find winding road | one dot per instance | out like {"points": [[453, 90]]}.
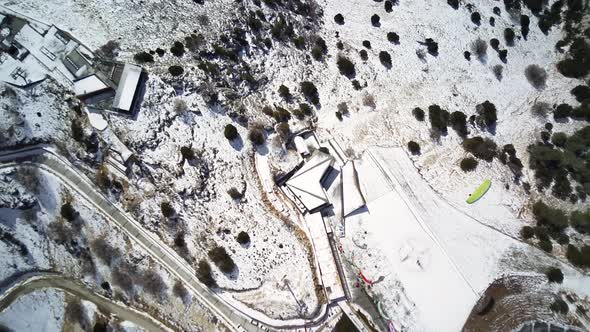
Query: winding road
{"points": [[39, 280], [234, 315]]}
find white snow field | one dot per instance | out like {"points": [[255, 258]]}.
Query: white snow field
{"points": [[435, 260], [41, 310]]}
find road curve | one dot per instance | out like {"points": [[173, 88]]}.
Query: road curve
{"points": [[39, 280], [233, 315]]}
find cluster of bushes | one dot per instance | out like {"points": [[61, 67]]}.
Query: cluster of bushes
{"points": [[508, 157], [554, 274], [577, 64], [175, 70], [281, 29], [481, 148], [222, 259], [552, 164], [551, 222], [393, 37], [9, 238]]}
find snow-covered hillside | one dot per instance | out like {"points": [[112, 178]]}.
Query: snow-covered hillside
{"points": [[212, 64]]}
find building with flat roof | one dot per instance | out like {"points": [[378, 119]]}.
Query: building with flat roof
{"points": [[128, 88]]}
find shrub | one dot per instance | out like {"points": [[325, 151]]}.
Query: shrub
{"points": [[418, 113], [167, 209], [221, 258], [524, 25], [153, 283], [559, 306], [431, 46], [180, 291], [467, 55], [267, 110], [540, 109], [546, 245], [509, 36], [369, 100], [486, 114], [345, 66], [299, 42], [143, 57], [496, 10], [342, 108], [527, 232], [204, 274], [177, 49], [476, 18], [503, 54], [459, 123], [453, 3], [562, 111], [494, 43], [536, 75], [187, 153], [338, 115], [559, 139], [306, 109], [582, 93], [256, 136], [492, 21], [234, 193], [414, 147], [367, 44], [439, 118], [385, 59], [581, 221], [67, 212], [243, 238], [375, 20], [77, 130], [281, 115], [554, 274], [468, 164], [310, 92], [555, 219], [479, 47], [497, 70], [284, 92], [104, 251], [339, 19], [364, 55], [393, 37], [481, 148], [230, 132], [175, 70], [283, 130], [388, 6]]}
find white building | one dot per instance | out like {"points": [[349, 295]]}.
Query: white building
{"points": [[305, 186], [128, 88]]}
